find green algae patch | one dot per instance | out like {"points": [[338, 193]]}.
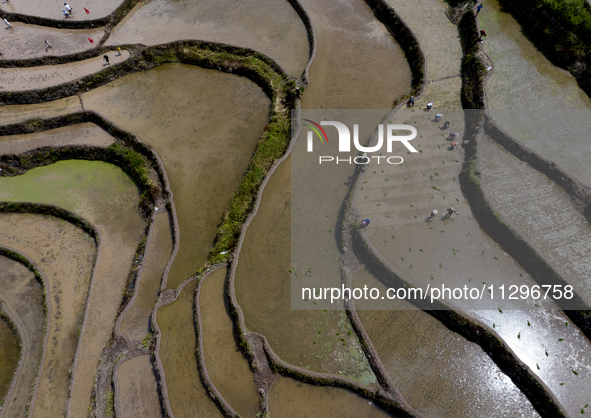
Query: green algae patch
{"points": [[97, 181]]}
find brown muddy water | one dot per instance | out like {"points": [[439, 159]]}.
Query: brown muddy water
{"points": [[20, 113], [138, 389], [440, 42], [317, 340], [537, 103], [65, 254], [105, 196], [22, 296], [290, 398], [455, 252], [53, 8], [28, 41], [358, 64], [204, 154], [18, 79], [437, 371], [82, 134], [226, 365], [9, 357], [136, 322], [188, 397], [268, 26]]}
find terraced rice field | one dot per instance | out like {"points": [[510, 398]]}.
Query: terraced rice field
{"points": [[12, 79], [23, 300], [65, 255], [537, 103], [203, 154], [82, 134], [271, 27], [133, 315]]}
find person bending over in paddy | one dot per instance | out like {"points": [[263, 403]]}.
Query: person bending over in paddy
{"points": [[364, 223], [438, 117], [446, 124], [452, 136], [429, 106], [433, 214]]}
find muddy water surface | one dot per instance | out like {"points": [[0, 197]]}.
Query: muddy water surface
{"points": [[455, 252], [22, 296], [53, 8], [105, 196], [138, 389], [9, 357], [28, 41], [533, 100], [320, 341], [358, 65], [65, 255], [20, 113], [268, 26], [226, 365], [204, 128], [188, 397], [82, 134], [290, 398], [438, 372], [16, 79], [136, 322]]}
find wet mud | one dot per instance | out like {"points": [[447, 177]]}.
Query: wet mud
{"points": [[20, 113], [268, 26], [138, 389], [540, 105], [188, 397], [9, 357], [19, 79], [204, 155], [22, 296], [28, 41], [65, 254], [437, 371], [290, 398], [439, 40], [53, 8], [358, 64], [226, 365], [321, 341], [136, 322], [82, 134], [105, 196]]}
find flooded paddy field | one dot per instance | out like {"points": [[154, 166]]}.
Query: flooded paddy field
{"points": [[18, 79], [455, 252], [539, 104], [83, 187], [53, 8], [352, 45], [65, 254], [20, 113], [226, 365], [438, 372], [22, 297], [269, 26], [204, 154], [82, 134], [551, 224], [138, 389], [9, 357], [28, 41], [309, 339], [136, 321], [188, 397], [439, 40], [290, 399]]}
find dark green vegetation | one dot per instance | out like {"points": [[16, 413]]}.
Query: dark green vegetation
{"points": [[561, 29]]}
